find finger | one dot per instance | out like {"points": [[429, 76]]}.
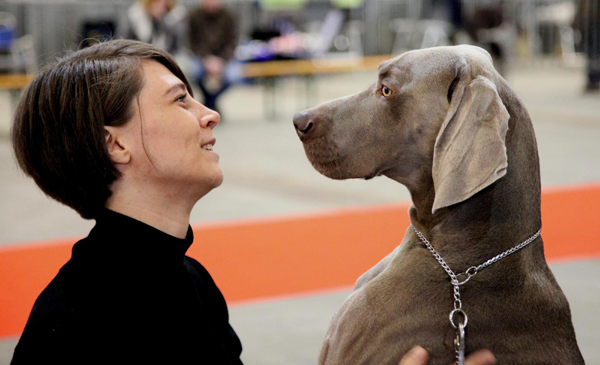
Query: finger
{"points": [[481, 357], [416, 356]]}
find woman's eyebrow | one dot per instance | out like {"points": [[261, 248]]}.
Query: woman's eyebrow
{"points": [[176, 87]]}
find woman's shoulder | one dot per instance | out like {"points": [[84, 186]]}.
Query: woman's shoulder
{"points": [[203, 281], [59, 300], [56, 294], [56, 306], [51, 319], [196, 268]]}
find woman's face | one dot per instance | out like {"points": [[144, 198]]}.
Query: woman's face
{"points": [[174, 148]]}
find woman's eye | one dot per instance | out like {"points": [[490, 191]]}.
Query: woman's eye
{"points": [[181, 98], [386, 91]]}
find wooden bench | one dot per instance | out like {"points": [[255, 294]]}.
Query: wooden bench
{"points": [[15, 81], [312, 67], [10, 88], [271, 71]]}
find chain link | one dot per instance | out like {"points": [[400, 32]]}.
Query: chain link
{"points": [[508, 252], [459, 342], [471, 271]]}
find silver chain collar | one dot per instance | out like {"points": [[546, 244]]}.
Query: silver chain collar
{"points": [[462, 278]]}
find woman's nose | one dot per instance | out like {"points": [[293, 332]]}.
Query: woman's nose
{"points": [[208, 118]]}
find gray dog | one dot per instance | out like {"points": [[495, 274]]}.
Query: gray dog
{"points": [[445, 124]]}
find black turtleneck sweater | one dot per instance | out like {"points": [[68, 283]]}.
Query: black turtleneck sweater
{"points": [[129, 295]]}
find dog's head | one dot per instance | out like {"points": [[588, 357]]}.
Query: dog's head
{"points": [[432, 114]]}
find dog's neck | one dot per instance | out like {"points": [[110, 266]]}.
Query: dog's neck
{"points": [[501, 215]]}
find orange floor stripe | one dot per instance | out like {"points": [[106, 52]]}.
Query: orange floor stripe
{"points": [[283, 256], [571, 223], [258, 258], [24, 273]]}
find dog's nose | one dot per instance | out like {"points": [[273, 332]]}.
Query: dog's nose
{"points": [[304, 124]]}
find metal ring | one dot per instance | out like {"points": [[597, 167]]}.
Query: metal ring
{"points": [[453, 313], [468, 272], [457, 282]]}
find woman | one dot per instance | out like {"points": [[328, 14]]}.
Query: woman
{"points": [[113, 132]]}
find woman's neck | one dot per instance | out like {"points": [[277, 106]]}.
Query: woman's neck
{"points": [[160, 209]]}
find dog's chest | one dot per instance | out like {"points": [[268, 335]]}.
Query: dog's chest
{"points": [[387, 317], [401, 308]]}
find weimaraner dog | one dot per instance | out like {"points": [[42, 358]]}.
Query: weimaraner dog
{"points": [[470, 272]]}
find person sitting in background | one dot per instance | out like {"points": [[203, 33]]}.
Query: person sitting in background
{"points": [[489, 28], [161, 23], [213, 36], [587, 22]]}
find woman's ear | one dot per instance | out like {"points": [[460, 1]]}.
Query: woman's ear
{"points": [[117, 150]]}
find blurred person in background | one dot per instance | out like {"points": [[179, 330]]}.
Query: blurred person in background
{"points": [[489, 28], [213, 36], [587, 22], [161, 23], [113, 132]]}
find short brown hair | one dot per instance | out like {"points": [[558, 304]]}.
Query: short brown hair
{"points": [[58, 132]]}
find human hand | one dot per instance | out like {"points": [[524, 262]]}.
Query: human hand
{"points": [[418, 356]]}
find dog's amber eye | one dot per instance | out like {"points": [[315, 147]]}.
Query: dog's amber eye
{"points": [[386, 91]]}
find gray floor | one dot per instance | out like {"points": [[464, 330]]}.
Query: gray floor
{"points": [[266, 173]]}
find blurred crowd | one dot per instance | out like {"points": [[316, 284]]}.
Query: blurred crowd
{"points": [[203, 40], [210, 45]]}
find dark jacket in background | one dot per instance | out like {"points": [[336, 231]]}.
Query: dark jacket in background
{"points": [[129, 295], [213, 34]]}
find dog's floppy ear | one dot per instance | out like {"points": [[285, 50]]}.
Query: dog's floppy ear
{"points": [[470, 153]]}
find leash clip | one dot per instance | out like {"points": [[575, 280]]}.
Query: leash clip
{"points": [[459, 344]]}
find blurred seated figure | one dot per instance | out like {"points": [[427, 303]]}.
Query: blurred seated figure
{"points": [[441, 24], [587, 22], [158, 22], [450, 11], [490, 29], [213, 36]]}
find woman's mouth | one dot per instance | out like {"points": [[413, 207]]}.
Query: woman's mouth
{"points": [[208, 146]]}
